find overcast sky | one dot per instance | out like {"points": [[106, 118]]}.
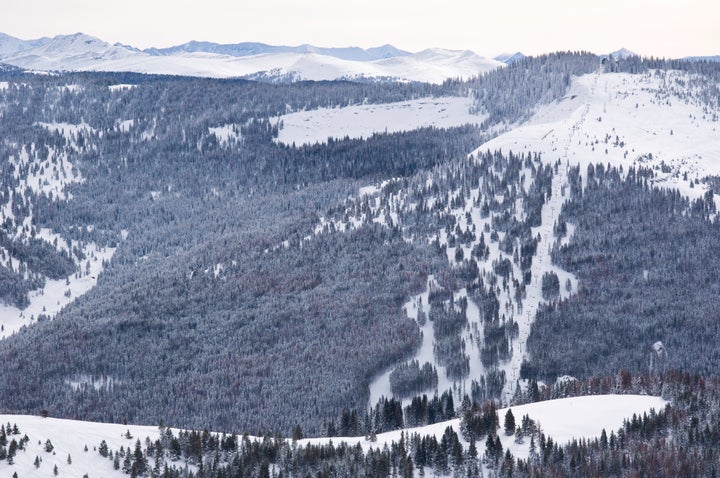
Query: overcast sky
{"points": [[669, 28]]}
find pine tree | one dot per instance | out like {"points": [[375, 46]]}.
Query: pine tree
{"points": [[103, 449], [603, 439], [127, 464], [139, 460], [490, 448], [509, 423], [472, 449]]}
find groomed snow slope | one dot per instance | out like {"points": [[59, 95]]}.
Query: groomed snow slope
{"points": [[362, 121], [563, 420]]}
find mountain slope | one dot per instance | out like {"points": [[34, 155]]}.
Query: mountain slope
{"points": [[67, 52], [247, 270]]}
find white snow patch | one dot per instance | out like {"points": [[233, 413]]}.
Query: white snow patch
{"points": [[578, 417], [125, 125], [120, 87], [98, 383], [57, 293], [362, 121], [50, 176], [71, 88], [226, 134], [69, 131]]}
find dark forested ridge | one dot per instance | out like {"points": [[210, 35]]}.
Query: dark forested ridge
{"points": [[221, 307], [648, 262]]}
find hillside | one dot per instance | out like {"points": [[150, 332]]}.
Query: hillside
{"points": [[197, 250], [76, 445]]}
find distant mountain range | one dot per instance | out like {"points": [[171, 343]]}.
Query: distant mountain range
{"points": [[706, 58], [251, 48], [259, 61], [80, 52]]}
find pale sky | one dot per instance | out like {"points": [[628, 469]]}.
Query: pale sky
{"points": [[668, 28]]}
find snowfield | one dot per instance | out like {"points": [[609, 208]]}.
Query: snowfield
{"points": [[362, 121], [562, 419]]}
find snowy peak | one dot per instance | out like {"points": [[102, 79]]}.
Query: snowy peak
{"points": [[386, 51], [441, 53], [69, 44], [10, 45], [436, 64], [66, 52], [622, 53], [510, 58]]}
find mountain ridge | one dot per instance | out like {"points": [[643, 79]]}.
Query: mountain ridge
{"points": [[241, 49], [82, 52]]}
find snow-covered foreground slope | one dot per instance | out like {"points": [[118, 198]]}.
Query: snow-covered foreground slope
{"points": [[563, 420], [81, 52], [362, 121], [69, 438]]}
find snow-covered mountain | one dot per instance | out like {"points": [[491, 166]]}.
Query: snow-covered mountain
{"points": [[254, 48], [80, 52], [64, 52], [622, 53], [510, 57]]}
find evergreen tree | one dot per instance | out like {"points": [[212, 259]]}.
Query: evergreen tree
{"points": [[509, 423]]}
